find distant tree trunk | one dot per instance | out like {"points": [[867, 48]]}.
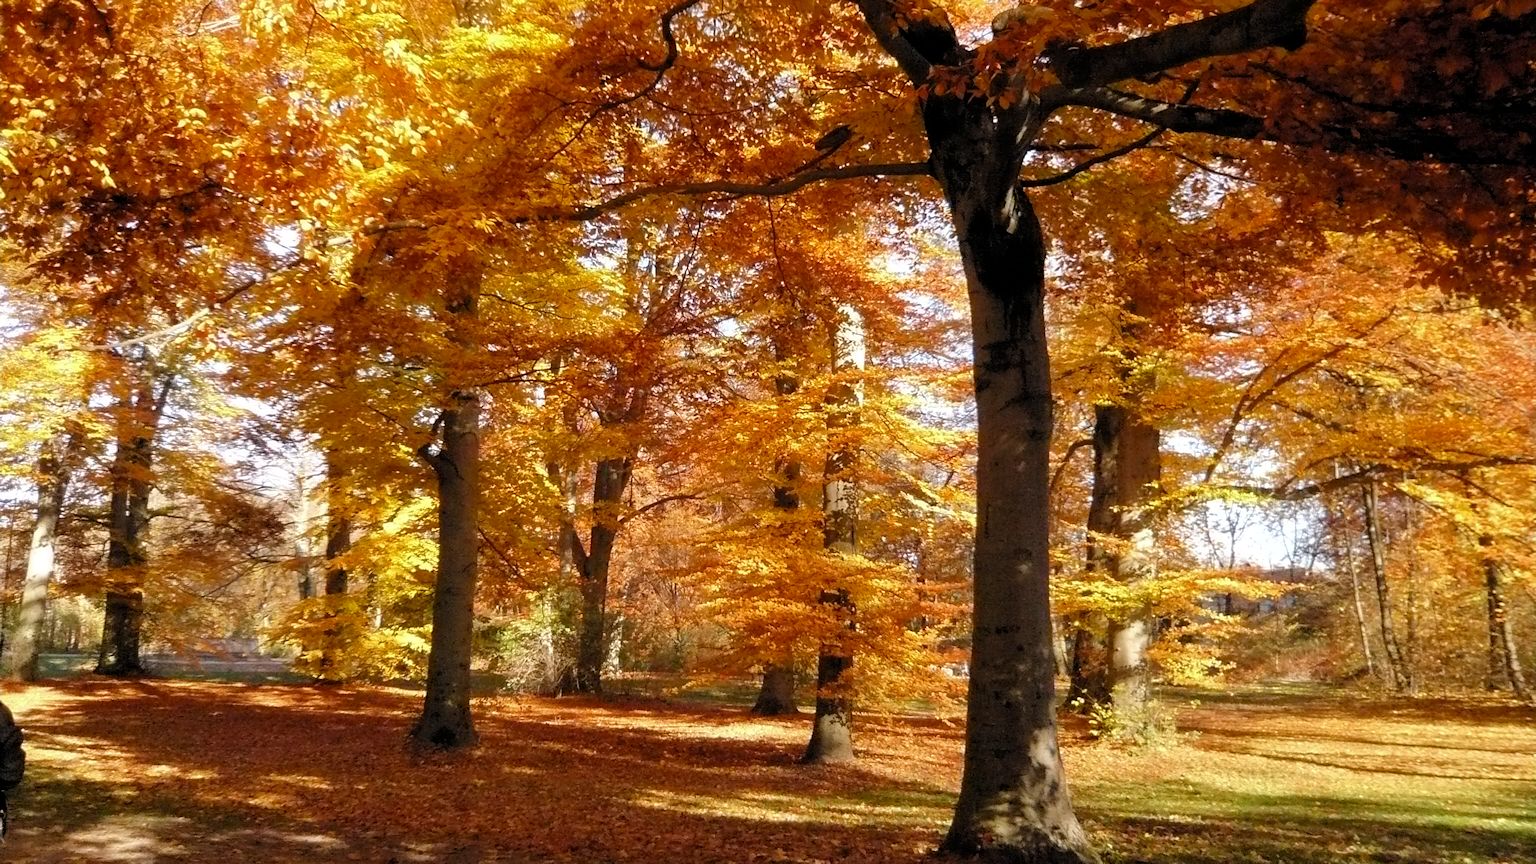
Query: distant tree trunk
{"points": [[1503, 658], [303, 554], [832, 727], [610, 480], [1377, 544], [777, 693], [1135, 451], [22, 647], [445, 721], [338, 541], [123, 621], [1344, 554], [1127, 472]]}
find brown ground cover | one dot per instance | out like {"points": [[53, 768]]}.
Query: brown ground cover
{"points": [[181, 771]]}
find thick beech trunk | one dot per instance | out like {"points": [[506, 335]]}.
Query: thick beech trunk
{"points": [[1014, 802], [123, 618], [832, 726], [1377, 543], [22, 647], [610, 479], [1503, 658], [445, 719]]}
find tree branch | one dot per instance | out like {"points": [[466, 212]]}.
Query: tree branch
{"points": [[659, 502], [727, 189], [935, 44], [1174, 117], [1261, 24]]}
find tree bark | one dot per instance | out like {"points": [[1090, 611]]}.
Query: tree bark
{"points": [[132, 462], [1503, 658], [1014, 802], [832, 726], [610, 479], [1131, 454], [776, 696], [338, 541], [22, 647], [1377, 544], [445, 721], [1344, 554]]}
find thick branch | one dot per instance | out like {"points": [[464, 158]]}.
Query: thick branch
{"points": [[918, 46], [1404, 142], [1171, 116], [1261, 24]]}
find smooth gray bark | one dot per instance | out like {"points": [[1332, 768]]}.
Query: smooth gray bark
{"points": [[832, 725], [22, 647], [1503, 658]]}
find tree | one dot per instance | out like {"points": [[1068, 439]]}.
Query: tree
{"points": [[1013, 797]]}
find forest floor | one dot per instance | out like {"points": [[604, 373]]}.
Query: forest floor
{"points": [[184, 771]]}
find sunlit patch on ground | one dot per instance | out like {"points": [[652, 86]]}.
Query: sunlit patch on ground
{"points": [[196, 772]]}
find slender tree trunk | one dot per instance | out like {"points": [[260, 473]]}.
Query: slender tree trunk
{"points": [[123, 619], [1013, 801], [610, 480], [1344, 554], [338, 541], [22, 647], [445, 721], [776, 696], [1377, 544], [832, 726], [303, 554], [559, 659], [1503, 656]]}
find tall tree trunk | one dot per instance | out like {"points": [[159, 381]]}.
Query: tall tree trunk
{"points": [[610, 480], [1127, 472], [1377, 544], [338, 541], [776, 696], [1503, 658], [1013, 800], [445, 720], [303, 553], [132, 462], [22, 647], [832, 726], [1499, 629], [1344, 554]]}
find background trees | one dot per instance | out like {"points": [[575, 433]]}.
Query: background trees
{"points": [[552, 316]]}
